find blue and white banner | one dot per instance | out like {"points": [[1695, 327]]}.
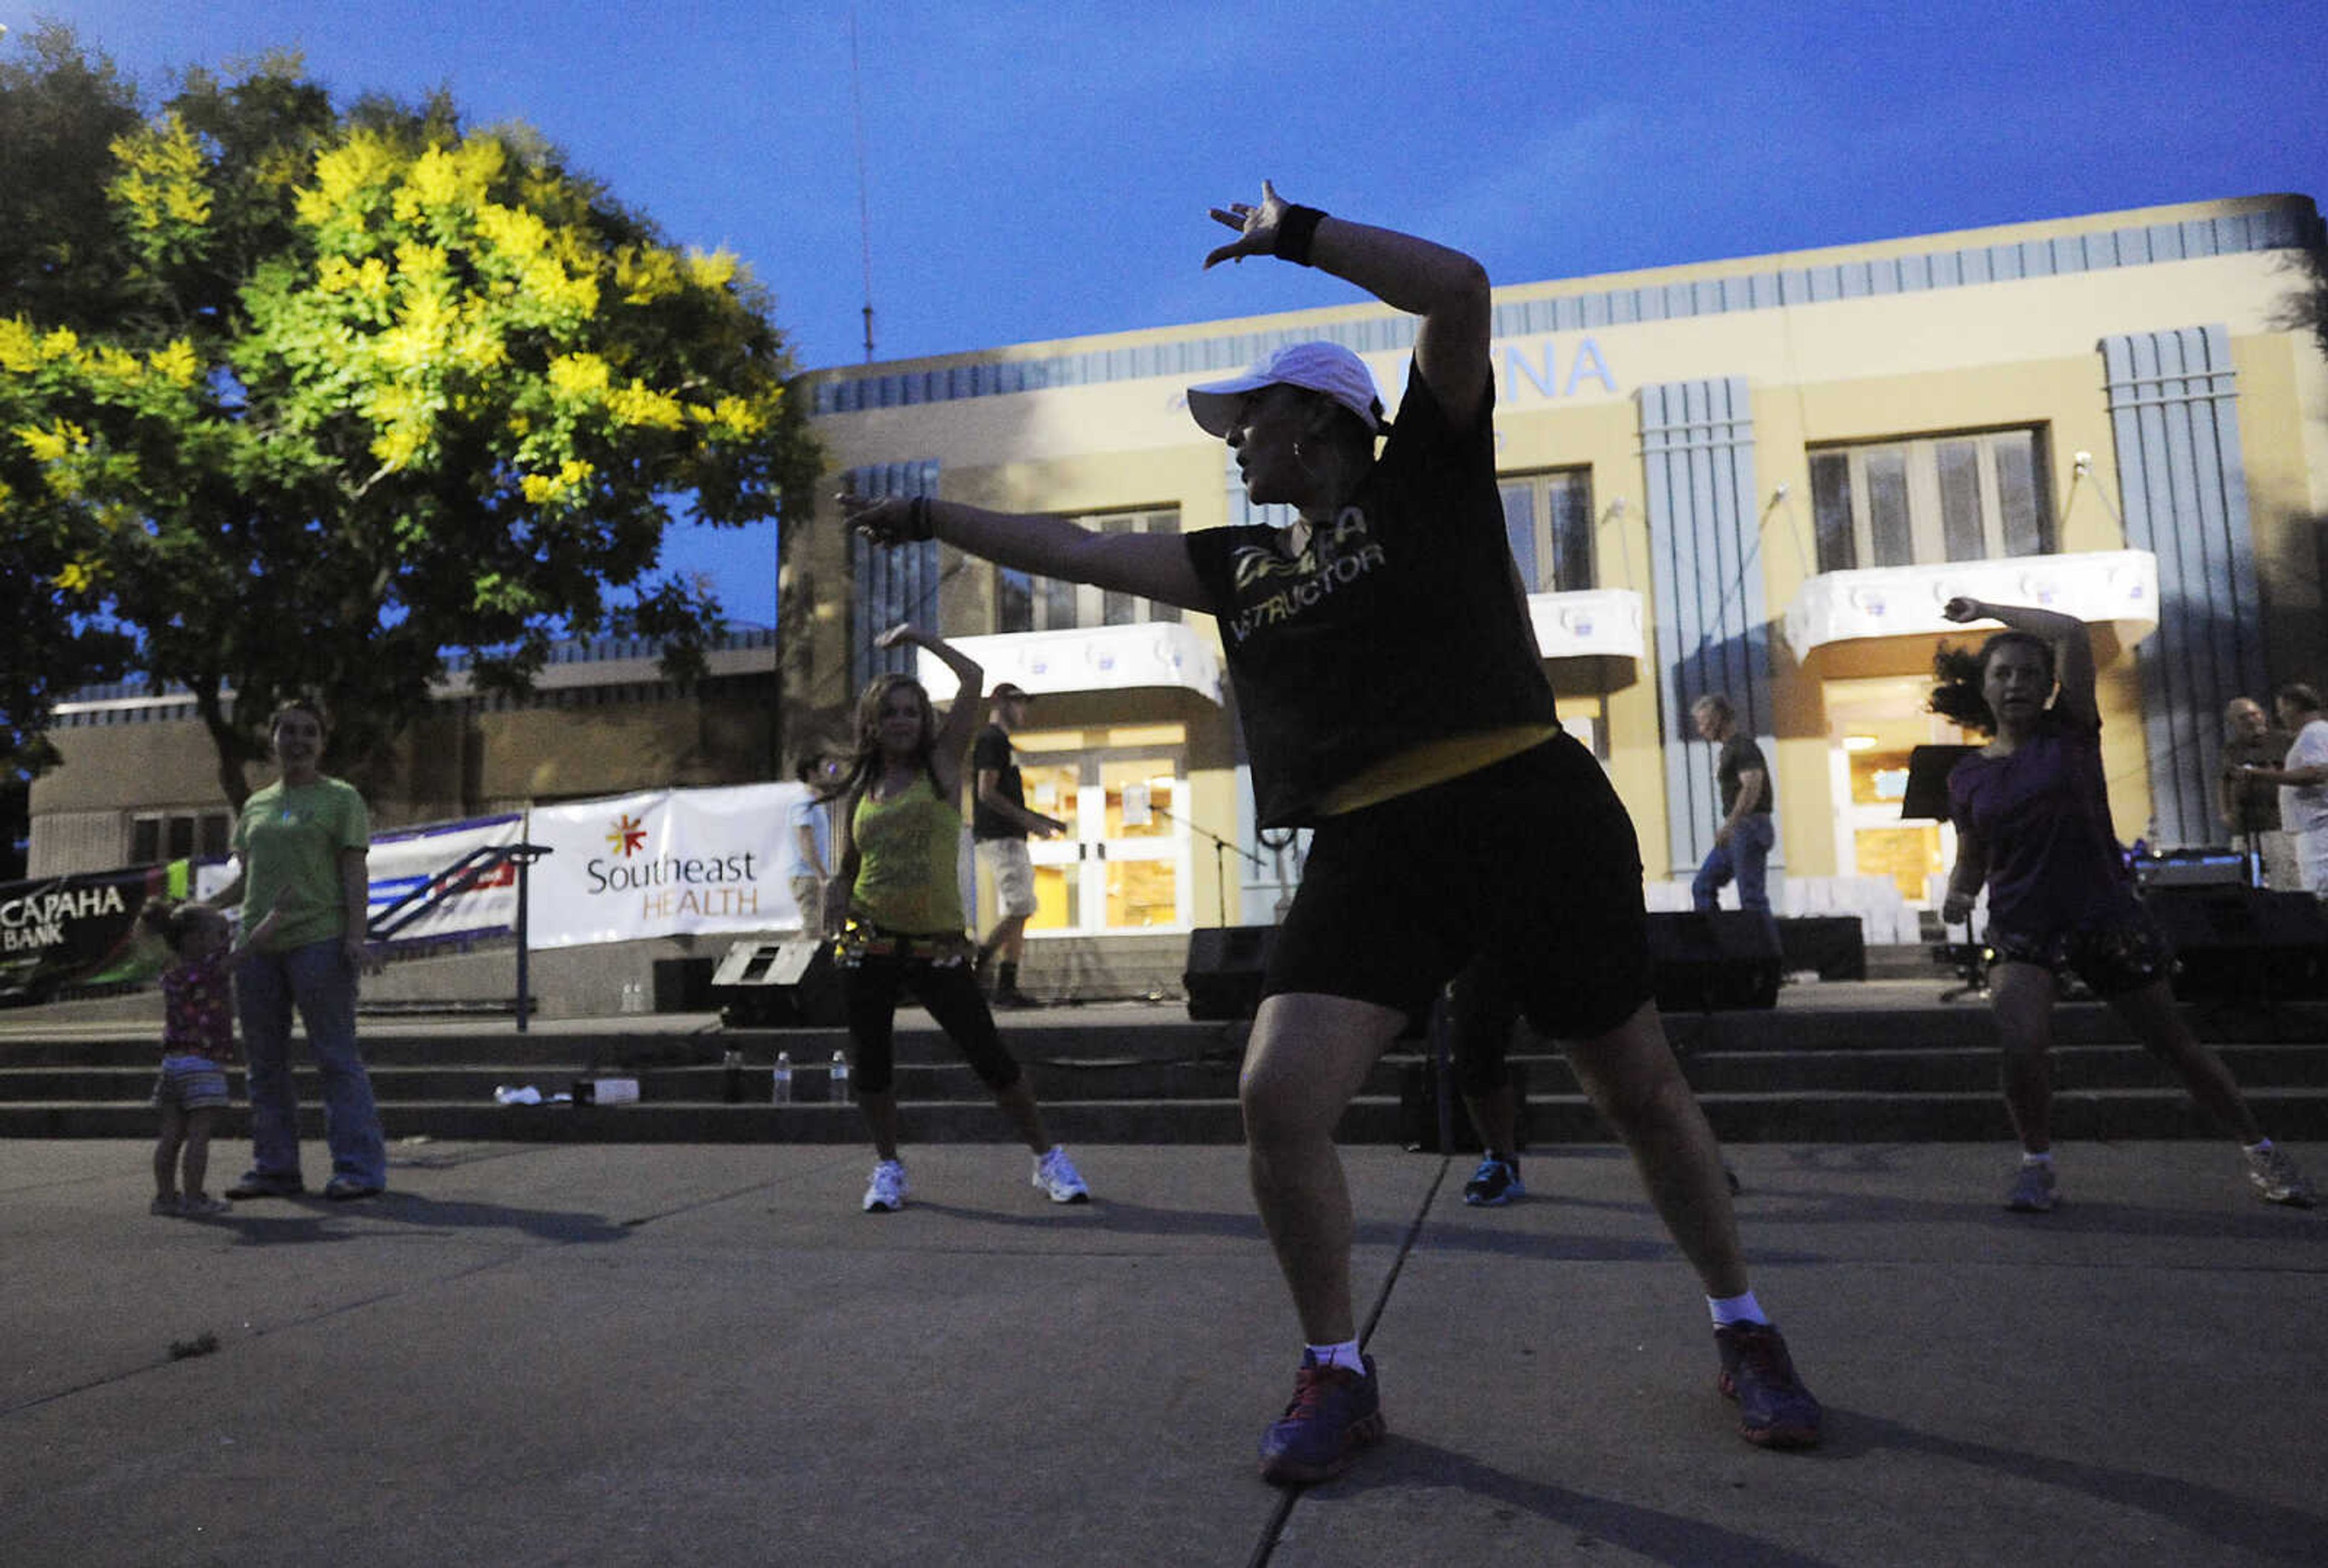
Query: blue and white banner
{"points": [[408, 866]]}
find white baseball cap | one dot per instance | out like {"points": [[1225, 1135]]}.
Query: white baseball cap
{"points": [[1319, 367]]}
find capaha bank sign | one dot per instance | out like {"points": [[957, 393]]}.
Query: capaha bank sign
{"points": [[665, 863]]}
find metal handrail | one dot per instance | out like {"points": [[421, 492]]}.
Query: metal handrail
{"points": [[459, 877]]}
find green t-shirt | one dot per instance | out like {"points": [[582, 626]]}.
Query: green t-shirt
{"points": [[908, 852], [291, 838]]}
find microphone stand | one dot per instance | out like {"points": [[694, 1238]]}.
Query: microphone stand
{"points": [[1220, 849]]}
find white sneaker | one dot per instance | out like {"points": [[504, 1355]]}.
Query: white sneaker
{"points": [[2275, 1178], [1057, 1175], [885, 1193]]}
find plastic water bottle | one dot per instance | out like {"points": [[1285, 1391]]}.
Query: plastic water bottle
{"points": [[781, 1084], [731, 1076], [840, 1078]]}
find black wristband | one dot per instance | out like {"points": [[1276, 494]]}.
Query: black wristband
{"points": [[918, 526], [1295, 229]]}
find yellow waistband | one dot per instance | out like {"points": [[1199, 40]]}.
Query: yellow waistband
{"points": [[1434, 761]]}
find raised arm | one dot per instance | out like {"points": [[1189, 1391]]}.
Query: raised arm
{"points": [[1148, 566], [1447, 289], [2073, 653], [954, 737]]}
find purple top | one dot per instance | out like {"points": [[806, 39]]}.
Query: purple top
{"points": [[2053, 859], [197, 1009]]}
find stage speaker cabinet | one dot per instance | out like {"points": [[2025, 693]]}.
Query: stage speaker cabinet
{"points": [[777, 985], [1836, 946], [1717, 962], [2191, 868], [1225, 965], [2243, 944]]}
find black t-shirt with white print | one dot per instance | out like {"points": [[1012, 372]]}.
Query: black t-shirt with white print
{"points": [[1401, 622]]}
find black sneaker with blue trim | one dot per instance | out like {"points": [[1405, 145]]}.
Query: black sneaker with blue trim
{"points": [[1495, 1184]]}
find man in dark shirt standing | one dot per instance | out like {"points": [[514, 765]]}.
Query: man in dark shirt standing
{"points": [[2250, 806], [1000, 822], [1742, 844]]}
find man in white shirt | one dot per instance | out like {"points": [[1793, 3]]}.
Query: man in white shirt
{"points": [[2303, 782]]}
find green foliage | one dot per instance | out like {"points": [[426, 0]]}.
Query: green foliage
{"points": [[365, 386]]}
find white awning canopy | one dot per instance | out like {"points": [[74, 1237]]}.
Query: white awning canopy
{"points": [[1087, 659], [1588, 622], [2114, 589]]}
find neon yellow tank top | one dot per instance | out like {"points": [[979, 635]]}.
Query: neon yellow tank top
{"points": [[908, 850]]}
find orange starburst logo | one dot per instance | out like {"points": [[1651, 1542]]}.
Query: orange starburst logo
{"points": [[629, 837]]}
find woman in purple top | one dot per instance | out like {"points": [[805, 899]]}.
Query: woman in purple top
{"points": [[2033, 821]]}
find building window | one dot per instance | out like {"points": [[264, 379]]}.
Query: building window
{"points": [[1975, 496], [204, 835], [1548, 517], [1023, 603]]}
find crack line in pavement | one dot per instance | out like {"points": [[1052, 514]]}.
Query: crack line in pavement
{"points": [[1275, 1530]]}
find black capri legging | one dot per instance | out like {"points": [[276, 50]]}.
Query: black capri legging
{"points": [[948, 989], [1482, 1011]]}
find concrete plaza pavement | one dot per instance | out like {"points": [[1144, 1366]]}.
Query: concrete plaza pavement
{"points": [[658, 1354]]}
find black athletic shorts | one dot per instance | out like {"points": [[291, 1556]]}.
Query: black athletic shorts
{"points": [[2113, 955], [1532, 861]]}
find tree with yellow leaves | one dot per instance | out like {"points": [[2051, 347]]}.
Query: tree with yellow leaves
{"points": [[366, 387]]}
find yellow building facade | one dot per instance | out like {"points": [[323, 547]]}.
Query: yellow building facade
{"points": [[1761, 476]]}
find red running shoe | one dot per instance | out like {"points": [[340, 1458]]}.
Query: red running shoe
{"points": [[1774, 1409], [1334, 1413]]}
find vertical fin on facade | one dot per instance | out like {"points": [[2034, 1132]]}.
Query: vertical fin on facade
{"points": [[888, 585], [1713, 628], [2173, 405]]}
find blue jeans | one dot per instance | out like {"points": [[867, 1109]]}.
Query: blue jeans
{"points": [[1747, 857], [319, 979]]}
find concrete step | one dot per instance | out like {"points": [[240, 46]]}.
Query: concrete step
{"points": [[1824, 1117], [1832, 1062], [933, 1072]]}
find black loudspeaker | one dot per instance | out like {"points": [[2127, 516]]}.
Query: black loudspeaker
{"points": [[1716, 962], [779, 985], [2239, 944], [1418, 1110], [1834, 945], [683, 985], [1225, 964]]}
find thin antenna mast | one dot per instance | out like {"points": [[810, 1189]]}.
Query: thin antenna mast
{"points": [[864, 212]]}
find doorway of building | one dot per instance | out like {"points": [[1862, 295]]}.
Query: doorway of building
{"points": [[1872, 727], [1124, 865]]}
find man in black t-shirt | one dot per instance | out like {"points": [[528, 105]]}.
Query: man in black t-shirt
{"points": [[1742, 844], [1000, 822]]}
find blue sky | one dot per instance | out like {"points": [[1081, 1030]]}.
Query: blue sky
{"points": [[1040, 170]]}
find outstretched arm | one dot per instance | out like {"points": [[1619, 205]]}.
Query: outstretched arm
{"points": [[1148, 566], [1447, 289], [2073, 653]]}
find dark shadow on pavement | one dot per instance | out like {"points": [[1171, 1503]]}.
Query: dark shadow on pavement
{"points": [[1650, 1532], [2244, 1524], [276, 1222]]}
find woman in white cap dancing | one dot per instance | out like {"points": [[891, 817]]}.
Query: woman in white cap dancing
{"points": [[1393, 701]]}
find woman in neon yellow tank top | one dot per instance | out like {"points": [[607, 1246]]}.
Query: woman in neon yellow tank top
{"points": [[898, 904]]}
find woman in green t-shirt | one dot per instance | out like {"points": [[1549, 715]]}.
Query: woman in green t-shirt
{"points": [[896, 902], [303, 841]]}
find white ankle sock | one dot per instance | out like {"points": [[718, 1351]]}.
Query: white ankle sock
{"points": [[1345, 1354], [1728, 1309], [2045, 1159]]}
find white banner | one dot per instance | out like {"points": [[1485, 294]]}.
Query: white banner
{"points": [[417, 860], [664, 863]]}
